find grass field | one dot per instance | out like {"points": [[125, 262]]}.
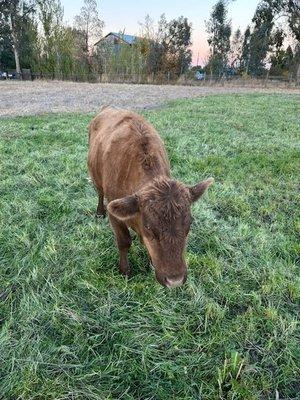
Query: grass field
{"points": [[73, 328]]}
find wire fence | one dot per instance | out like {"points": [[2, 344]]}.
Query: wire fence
{"points": [[189, 78]]}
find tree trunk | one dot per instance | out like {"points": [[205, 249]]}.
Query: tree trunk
{"points": [[15, 45], [298, 74]]}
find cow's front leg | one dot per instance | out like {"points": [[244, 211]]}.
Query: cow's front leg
{"points": [[123, 240], [101, 211]]}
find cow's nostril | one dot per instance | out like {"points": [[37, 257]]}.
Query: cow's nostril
{"points": [[170, 282]]}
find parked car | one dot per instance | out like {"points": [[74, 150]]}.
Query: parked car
{"points": [[200, 76], [6, 75]]}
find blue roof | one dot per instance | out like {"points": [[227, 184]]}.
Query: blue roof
{"points": [[130, 39]]}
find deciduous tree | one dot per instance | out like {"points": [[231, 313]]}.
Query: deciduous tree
{"points": [[14, 15], [178, 42], [91, 26]]}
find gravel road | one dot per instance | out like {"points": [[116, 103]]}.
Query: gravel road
{"points": [[38, 97]]}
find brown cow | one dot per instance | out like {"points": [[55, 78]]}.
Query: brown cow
{"points": [[129, 166]]}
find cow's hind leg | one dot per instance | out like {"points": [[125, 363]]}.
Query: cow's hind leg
{"points": [[101, 211], [123, 240]]}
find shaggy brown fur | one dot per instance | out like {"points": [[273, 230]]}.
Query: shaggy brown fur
{"points": [[128, 164]]}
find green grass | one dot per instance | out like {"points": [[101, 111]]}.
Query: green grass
{"points": [[73, 328]]}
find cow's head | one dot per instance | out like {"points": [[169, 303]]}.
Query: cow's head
{"points": [[162, 211]]}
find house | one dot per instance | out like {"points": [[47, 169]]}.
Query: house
{"points": [[117, 40]]}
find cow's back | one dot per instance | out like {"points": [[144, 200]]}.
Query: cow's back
{"points": [[125, 152]]}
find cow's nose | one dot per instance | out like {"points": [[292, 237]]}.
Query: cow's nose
{"points": [[174, 282]]}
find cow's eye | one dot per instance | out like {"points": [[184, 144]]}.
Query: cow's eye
{"points": [[150, 232]]}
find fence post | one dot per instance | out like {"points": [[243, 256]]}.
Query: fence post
{"points": [[266, 80]]}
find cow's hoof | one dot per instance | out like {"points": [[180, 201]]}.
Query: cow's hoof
{"points": [[125, 270], [100, 215]]}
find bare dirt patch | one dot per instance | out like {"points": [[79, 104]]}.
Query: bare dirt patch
{"points": [[30, 98]]}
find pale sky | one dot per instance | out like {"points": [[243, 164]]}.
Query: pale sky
{"points": [[125, 15]]}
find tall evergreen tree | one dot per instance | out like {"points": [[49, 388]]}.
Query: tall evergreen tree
{"points": [[262, 35], [260, 39], [219, 32], [293, 9], [245, 56], [236, 48]]}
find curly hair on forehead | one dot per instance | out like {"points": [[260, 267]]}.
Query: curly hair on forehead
{"points": [[165, 196]]}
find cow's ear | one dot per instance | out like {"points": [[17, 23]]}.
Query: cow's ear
{"points": [[197, 191], [124, 208]]}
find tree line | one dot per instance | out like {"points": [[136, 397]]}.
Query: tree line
{"points": [[160, 49], [270, 44], [33, 35]]}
